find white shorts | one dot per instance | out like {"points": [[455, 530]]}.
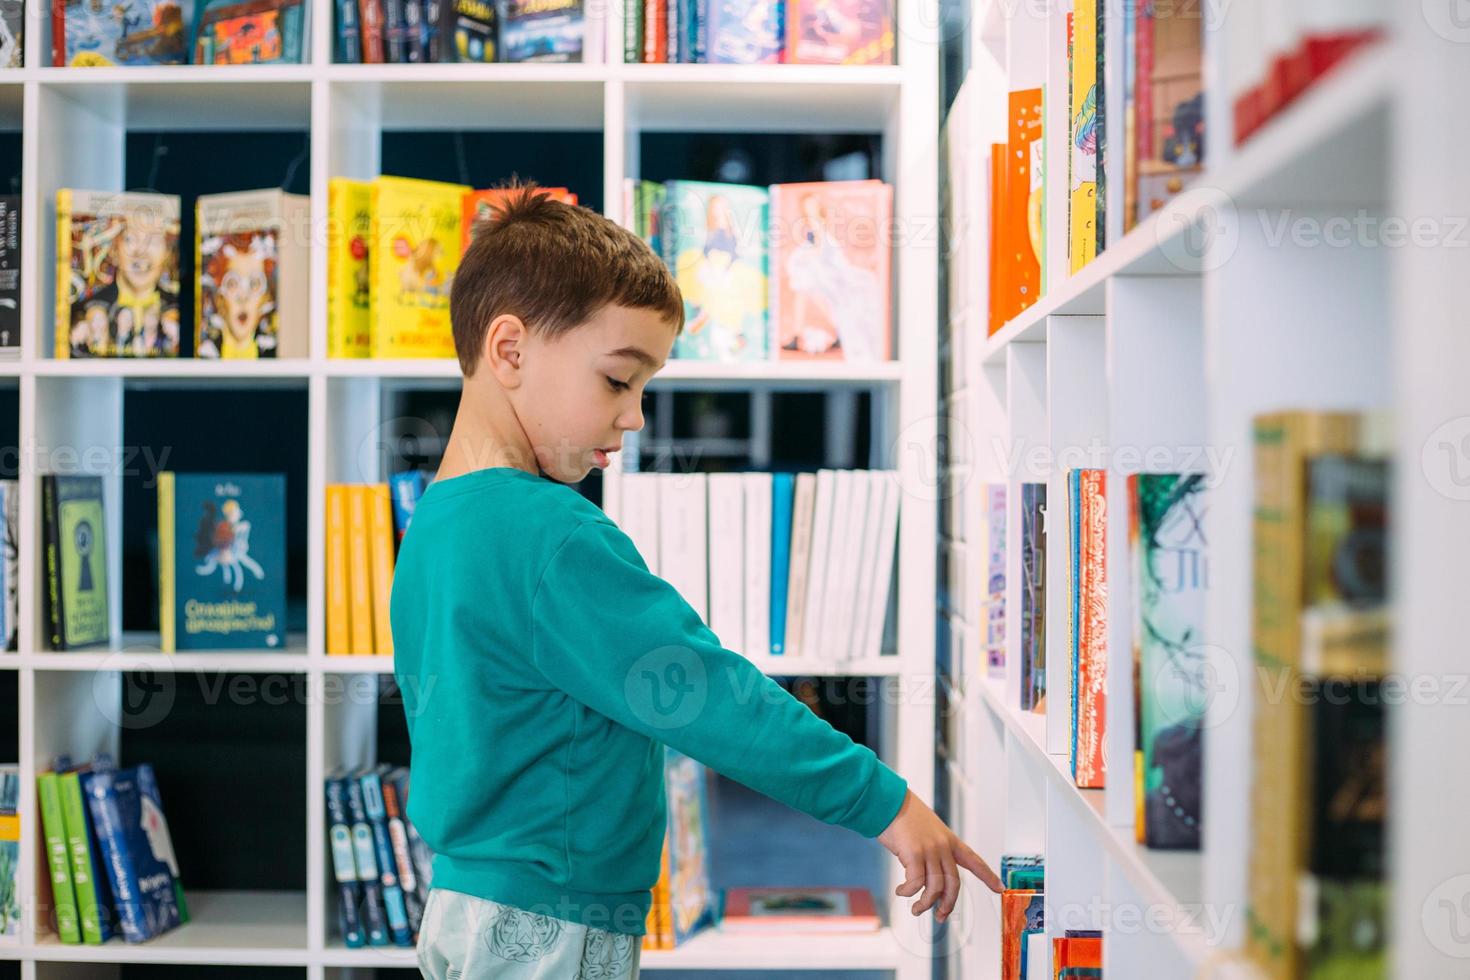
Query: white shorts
{"points": [[469, 938]]}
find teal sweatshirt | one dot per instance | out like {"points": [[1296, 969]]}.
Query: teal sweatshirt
{"points": [[543, 668]]}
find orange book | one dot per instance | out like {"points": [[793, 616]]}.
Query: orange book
{"points": [[359, 574], [1090, 768], [339, 636], [831, 253], [479, 205], [380, 551], [1023, 280], [1075, 951], [1020, 913], [997, 205]]}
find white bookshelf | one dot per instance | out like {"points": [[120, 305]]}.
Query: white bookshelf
{"points": [[1172, 340], [74, 125]]}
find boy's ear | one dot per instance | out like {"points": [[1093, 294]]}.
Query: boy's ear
{"points": [[504, 346]]}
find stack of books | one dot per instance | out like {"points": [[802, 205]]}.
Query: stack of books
{"points": [[382, 867]]}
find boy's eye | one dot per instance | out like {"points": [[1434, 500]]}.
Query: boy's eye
{"points": [[616, 385]]}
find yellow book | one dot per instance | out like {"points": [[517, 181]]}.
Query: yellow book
{"points": [[359, 571], [166, 617], [413, 253], [339, 635], [1082, 146], [380, 526], [349, 230]]}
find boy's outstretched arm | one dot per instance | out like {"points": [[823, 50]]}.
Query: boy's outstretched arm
{"points": [[624, 643]]}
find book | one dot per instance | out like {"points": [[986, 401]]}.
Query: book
{"points": [[95, 907], [481, 206], [349, 229], [683, 536], [1019, 246], [469, 31], [10, 267], [1033, 596], [727, 559], [12, 35], [75, 600], [714, 241], [1170, 593], [799, 910], [1084, 133], [541, 30], [348, 45], [742, 32], [135, 32], [839, 32], [250, 32], [803, 510], [760, 601], [1021, 912], [339, 628], [359, 570], [830, 270], [134, 840], [344, 864], [117, 274], [252, 269], [376, 816], [221, 561], [413, 251], [10, 565], [380, 556], [1169, 147], [365, 858], [1090, 602], [370, 16], [993, 529], [997, 272], [58, 858], [783, 491], [402, 860], [691, 902]]}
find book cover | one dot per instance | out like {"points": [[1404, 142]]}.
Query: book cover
{"points": [[249, 32], [222, 561], [349, 227], [540, 30], [799, 910], [1171, 147], [469, 31], [783, 489], [75, 600], [117, 276], [359, 569], [994, 599], [1021, 912], [402, 860], [830, 270], [714, 240], [134, 32], [251, 275], [632, 31], [1033, 596], [406, 489], [12, 34], [365, 857], [1171, 593], [690, 899], [413, 252], [339, 629], [380, 555], [1018, 246], [1100, 198], [96, 906], [744, 32], [482, 205], [138, 856], [387, 866], [1089, 684], [58, 858], [839, 32], [394, 35], [1084, 136], [344, 865], [10, 269]]}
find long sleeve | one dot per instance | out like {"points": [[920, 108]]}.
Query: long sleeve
{"points": [[624, 643]]}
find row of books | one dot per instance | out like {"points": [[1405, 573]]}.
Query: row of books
{"points": [[221, 586], [1317, 900], [109, 856], [789, 271], [383, 869], [794, 565], [756, 32], [474, 31], [364, 523], [177, 32]]}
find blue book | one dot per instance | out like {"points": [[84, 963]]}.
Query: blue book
{"points": [[540, 30], [136, 852], [344, 864], [744, 32], [377, 818], [365, 855], [783, 488], [222, 561], [713, 238], [406, 489]]}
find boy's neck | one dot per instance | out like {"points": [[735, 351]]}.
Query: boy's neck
{"points": [[486, 433]]}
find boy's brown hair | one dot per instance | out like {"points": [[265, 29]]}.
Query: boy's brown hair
{"points": [[554, 265]]}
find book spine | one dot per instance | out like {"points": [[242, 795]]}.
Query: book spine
{"points": [[359, 571], [53, 827], [372, 798], [803, 510], [167, 618], [675, 54], [372, 31], [1090, 683], [398, 838], [364, 851], [344, 865], [339, 635], [78, 844], [349, 44], [52, 533], [757, 561], [783, 485], [63, 263], [413, 31], [1100, 197], [394, 50], [649, 20], [337, 219], [380, 529], [107, 822], [632, 31]]}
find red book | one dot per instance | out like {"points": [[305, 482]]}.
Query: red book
{"points": [[803, 910], [370, 13], [1089, 767]]}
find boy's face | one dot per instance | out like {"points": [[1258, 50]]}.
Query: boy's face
{"points": [[581, 391]]}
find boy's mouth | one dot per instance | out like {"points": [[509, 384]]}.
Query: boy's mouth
{"points": [[600, 456]]}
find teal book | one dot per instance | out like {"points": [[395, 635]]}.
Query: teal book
{"points": [[75, 597], [713, 238], [222, 561]]}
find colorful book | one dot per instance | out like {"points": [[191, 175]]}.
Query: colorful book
{"points": [[691, 902], [380, 555], [402, 859], [1033, 596], [742, 32], [387, 866], [714, 241], [339, 603], [365, 857], [775, 911], [12, 35], [1021, 912], [1085, 133], [1170, 128], [117, 274], [541, 30], [1020, 242], [136, 848], [406, 488], [413, 252], [58, 858], [1090, 655], [349, 229], [221, 561], [993, 525], [839, 32], [469, 31], [136, 32], [830, 270], [252, 275], [359, 569], [10, 565], [249, 32], [74, 533]]}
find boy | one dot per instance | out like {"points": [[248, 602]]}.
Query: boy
{"points": [[542, 665]]}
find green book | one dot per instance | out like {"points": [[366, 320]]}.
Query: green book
{"points": [[53, 827], [76, 560], [95, 929]]}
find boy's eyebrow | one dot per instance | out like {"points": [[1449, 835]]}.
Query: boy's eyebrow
{"points": [[637, 354]]}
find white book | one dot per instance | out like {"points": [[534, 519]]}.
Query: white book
{"points": [[639, 520], [682, 547], [875, 491], [829, 604], [758, 491], [726, 559], [1038, 957], [803, 508], [817, 566], [883, 563], [848, 564]]}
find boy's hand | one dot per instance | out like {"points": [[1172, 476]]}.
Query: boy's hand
{"points": [[931, 855]]}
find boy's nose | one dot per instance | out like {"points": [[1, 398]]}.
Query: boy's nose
{"points": [[632, 421]]}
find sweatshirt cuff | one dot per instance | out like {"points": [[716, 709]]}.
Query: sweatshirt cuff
{"points": [[879, 804]]}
